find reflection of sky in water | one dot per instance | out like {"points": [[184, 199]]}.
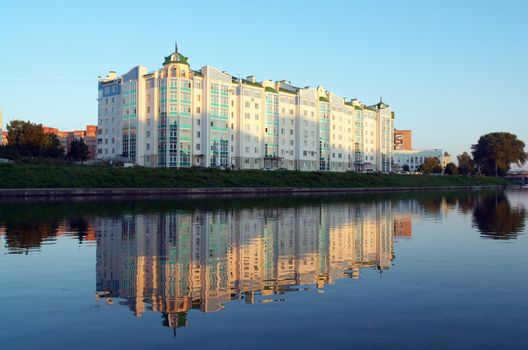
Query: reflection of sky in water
{"points": [[396, 273]]}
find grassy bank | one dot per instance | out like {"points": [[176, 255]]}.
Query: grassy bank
{"points": [[70, 176]]}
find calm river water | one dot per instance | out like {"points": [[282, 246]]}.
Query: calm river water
{"points": [[386, 271]]}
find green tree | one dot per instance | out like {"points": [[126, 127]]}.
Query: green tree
{"points": [[78, 150], [26, 139], [431, 165], [494, 153], [52, 147], [451, 169], [465, 164]]}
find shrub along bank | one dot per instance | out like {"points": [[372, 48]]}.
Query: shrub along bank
{"points": [[72, 176]]}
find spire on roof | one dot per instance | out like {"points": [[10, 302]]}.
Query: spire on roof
{"points": [[176, 46]]}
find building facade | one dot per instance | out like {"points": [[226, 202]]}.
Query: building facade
{"points": [[178, 117], [414, 158], [402, 140], [88, 135]]}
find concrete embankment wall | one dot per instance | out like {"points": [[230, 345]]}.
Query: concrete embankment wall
{"points": [[234, 191]]}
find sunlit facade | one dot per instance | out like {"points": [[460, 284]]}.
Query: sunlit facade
{"points": [[178, 117]]}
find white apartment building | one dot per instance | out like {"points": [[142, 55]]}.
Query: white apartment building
{"points": [[415, 158], [179, 117]]}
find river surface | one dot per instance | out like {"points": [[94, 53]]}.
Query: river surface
{"points": [[385, 271]]}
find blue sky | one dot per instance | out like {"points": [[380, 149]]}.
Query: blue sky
{"points": [[452, 70]]}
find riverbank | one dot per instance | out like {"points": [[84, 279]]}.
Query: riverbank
{"points": [[64, 180], [220, 191]]}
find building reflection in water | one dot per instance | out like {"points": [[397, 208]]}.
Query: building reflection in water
{"points": [[173, 262], [170, 257]]}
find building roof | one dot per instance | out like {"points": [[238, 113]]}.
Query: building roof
{"points": [[381, 104], [270, 89], [176, 57], [288, 91]]}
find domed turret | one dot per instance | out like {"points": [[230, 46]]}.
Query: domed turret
{"points": [[176, 57], [381, 104]]}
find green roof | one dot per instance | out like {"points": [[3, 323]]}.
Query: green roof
{"points": [[248, 82], [322, 98], [176, 58], [270, 89]]}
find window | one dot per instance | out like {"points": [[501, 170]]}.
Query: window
{"points": [[246, 104], [198, 134], [197, 146], [198, 110]]}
